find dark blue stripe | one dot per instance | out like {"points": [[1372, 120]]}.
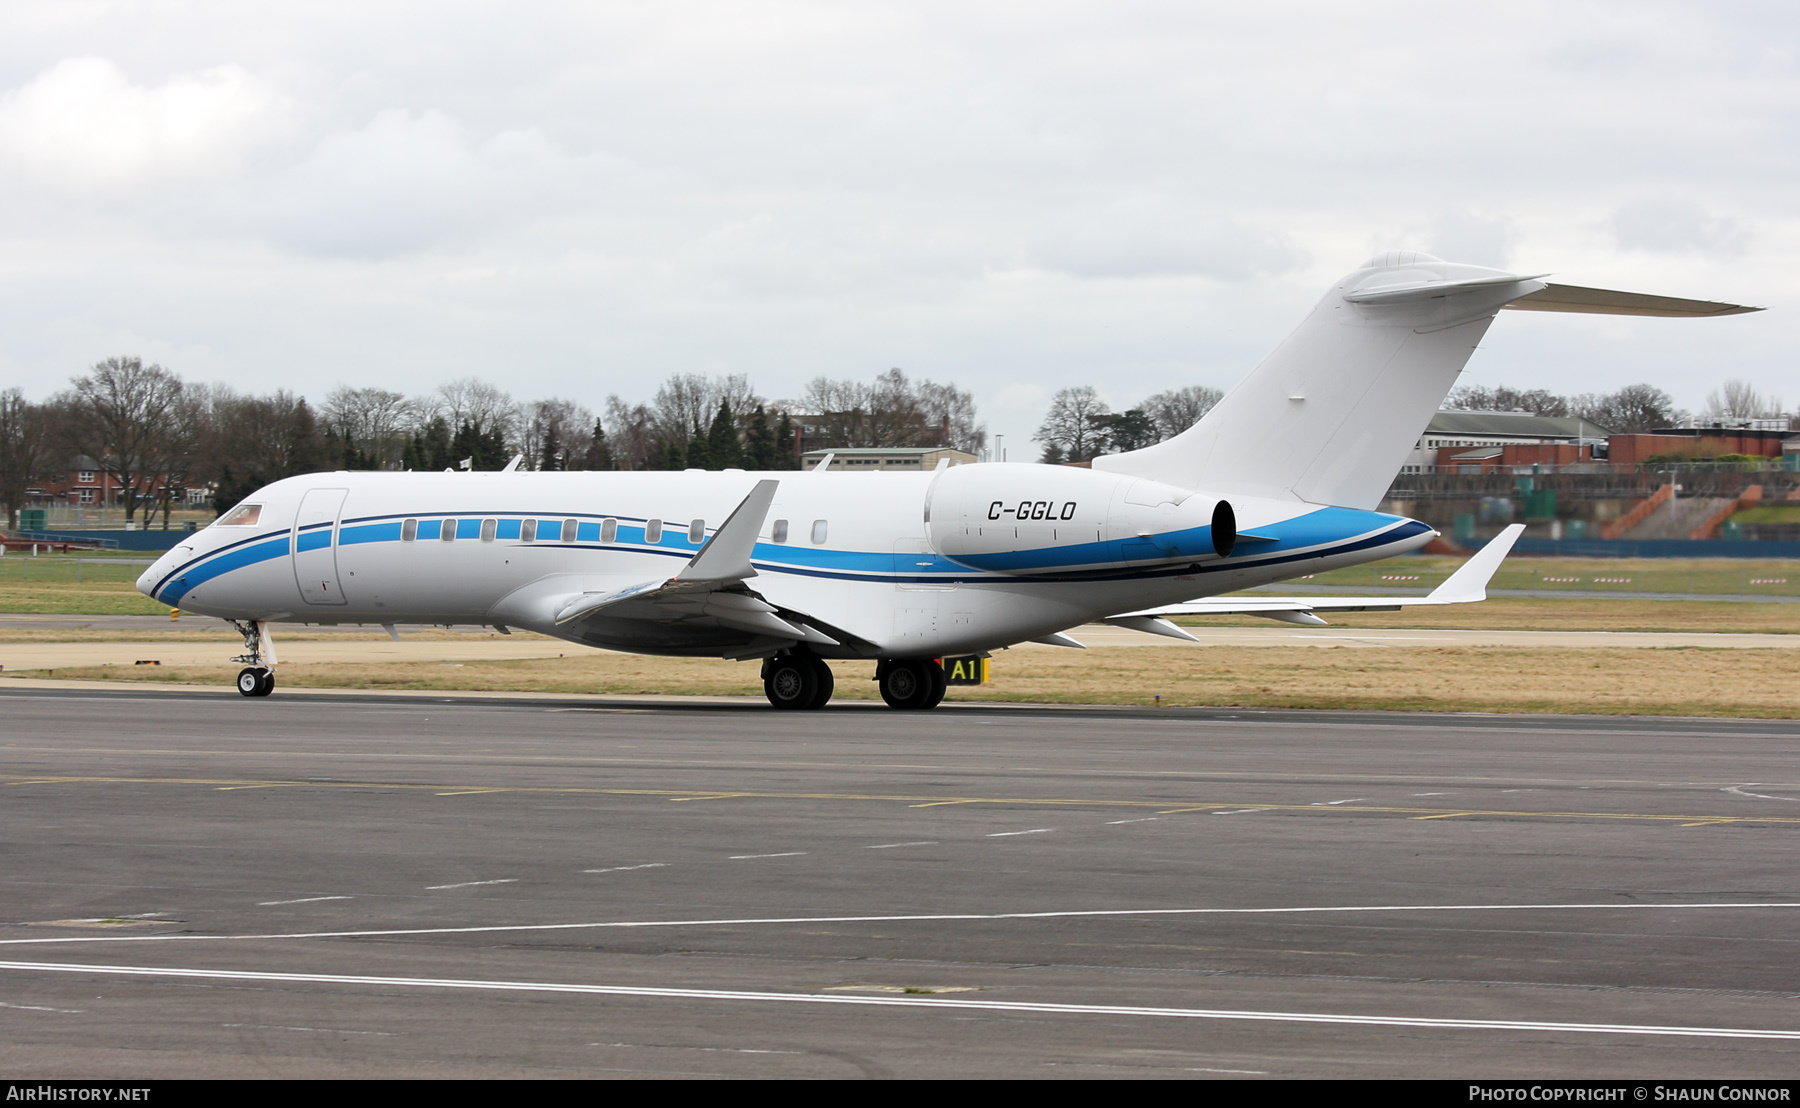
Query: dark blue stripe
{"points": [[237, 559]]}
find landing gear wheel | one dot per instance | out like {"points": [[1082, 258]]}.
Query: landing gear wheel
{"points": [[906, 685], [252, 681], [827, 682], [939, 685], [792, 683]]}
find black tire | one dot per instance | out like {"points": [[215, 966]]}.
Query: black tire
{"points": [[268, 683], [250, 681], [905, 686], [827, 683], [791, 683], [939, 685]]}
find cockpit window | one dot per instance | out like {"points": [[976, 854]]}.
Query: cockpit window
{"points": [[244, 515]]}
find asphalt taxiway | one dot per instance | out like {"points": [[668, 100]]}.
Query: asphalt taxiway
{"points": [[324, 885]]}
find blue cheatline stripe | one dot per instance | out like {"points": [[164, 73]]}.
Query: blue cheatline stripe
{"points": [[1320, 533], [369, 532], [198, 558], [235, 559]]}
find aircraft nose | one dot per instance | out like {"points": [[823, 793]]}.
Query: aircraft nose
{"points": [[146, 582]]}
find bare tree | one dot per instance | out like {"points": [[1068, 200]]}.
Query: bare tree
{"points": [[1175, 410], [374, 422], [1074, 430], [118, 416], [483, 407], [890, 410], [631, 433], [686, 402], [24, 449], [256, 440], [1632, 410], [1478, 398], [1738, 399], [553, 432]]}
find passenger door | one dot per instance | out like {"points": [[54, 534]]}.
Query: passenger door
{"points": [[315, 546]]}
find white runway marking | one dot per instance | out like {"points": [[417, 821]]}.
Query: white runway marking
{"points": [[1034, 1007], [1240, 811], [1739, 791], [747, 857], [472, 884], [627, 869], [945, 917], [302, 900], [1116, 822], [890, 846], [41, 1008], [1033, 831]]}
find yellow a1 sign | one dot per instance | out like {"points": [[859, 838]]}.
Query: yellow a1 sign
{"points": [[965, 669]]}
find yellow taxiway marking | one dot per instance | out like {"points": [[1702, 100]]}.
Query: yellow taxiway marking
{"points": [[912, 800], [473, 792]]}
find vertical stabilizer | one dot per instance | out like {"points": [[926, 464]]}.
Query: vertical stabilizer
{"points": [[1330, 415]]}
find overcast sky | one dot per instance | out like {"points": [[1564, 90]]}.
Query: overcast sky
{"points": [[578, 199]]}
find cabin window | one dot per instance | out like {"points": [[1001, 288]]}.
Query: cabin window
{"points": [[697, 530], [818, 530], [653, 530], [528, 531], [609, 530], [244, 515], [489, 527], [779, 531], [447, 531], [409, 530], [569, 527]]}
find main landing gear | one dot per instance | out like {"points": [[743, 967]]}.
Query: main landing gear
{"points": [[257, 678], [911, 684], [798, 681]]}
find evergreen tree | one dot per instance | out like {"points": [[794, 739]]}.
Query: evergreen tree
{"points": [[431, 451], [698, 456], [723, 451], [786, 454], [673, 455], [550, 455], [759, 445], [600, 455]]}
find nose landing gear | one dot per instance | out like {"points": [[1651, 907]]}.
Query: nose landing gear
{"points": [[255, 682], [910, 684], [257, 678]]}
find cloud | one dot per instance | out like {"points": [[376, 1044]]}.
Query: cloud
{"points": [[1678, 227], [84, 127], [1148, 235], [407, 182]]}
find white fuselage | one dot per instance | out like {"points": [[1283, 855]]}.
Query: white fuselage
{"points": [[889, 565]]}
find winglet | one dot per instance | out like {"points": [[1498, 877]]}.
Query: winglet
{"points": [[1469, 583], [726, 556]]}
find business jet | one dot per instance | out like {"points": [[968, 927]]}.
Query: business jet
{"points": [[1281, 479]]}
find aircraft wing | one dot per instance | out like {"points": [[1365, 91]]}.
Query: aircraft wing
{"points": [[1466, 586], [711, 584]]}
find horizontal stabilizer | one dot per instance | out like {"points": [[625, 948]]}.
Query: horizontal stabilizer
{"points": [[1574, 298], [1466, 586]]}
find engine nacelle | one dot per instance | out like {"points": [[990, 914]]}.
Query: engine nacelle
{"points": [[1032, 519]]}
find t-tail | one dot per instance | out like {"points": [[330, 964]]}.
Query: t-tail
{"points": [[1330, 415]]}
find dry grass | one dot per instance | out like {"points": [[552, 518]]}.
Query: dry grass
{"points": [[1682, 681]]}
